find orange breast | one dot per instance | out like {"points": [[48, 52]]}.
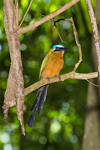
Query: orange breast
{"points": [[53, 66]]}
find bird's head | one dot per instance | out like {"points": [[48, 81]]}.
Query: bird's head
{"points": [[59, 48]]}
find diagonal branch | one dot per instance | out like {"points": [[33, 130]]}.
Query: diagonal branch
{"points": [[72, 75], [26, 13], [48, 17], [60, 35], [95, 31]]}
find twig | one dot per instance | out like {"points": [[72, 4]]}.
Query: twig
{"points": [[78, 44], [48, 17], [55, 21], [41, 16], [92, 83], [95, 31], [17, 12], [72, 75], [26, 13], [60, 35]]}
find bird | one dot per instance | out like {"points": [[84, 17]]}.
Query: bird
{"points": [[51, 66]]}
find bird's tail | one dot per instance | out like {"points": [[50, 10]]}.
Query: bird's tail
{"points": [[38, 104]]}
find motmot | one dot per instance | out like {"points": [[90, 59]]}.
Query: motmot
{"points": [[51, 66]]}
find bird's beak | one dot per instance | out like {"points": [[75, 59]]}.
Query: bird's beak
{"points": [[63, 49]]}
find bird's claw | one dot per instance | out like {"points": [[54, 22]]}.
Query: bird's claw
{"points": [[58, 77], [48, 78]]}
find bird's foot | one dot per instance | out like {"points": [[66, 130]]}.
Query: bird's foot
{"points": [[48, 78], [58, 77]]}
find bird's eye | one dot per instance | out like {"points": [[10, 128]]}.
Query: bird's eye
{"points": [[57, 48]]}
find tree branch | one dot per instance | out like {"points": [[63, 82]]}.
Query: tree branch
{"points": [[72, 75], [26, 13], [95, 31], [78, 44], [48, 17], [17, 12]]}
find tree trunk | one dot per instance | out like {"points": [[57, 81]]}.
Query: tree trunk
{"points": [[14, 94], [91, 139]]}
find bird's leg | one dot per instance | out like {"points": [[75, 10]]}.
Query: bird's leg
{"points": [[58, 77]]}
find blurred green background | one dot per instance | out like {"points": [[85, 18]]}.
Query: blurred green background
{"points": [[61, 124]]}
